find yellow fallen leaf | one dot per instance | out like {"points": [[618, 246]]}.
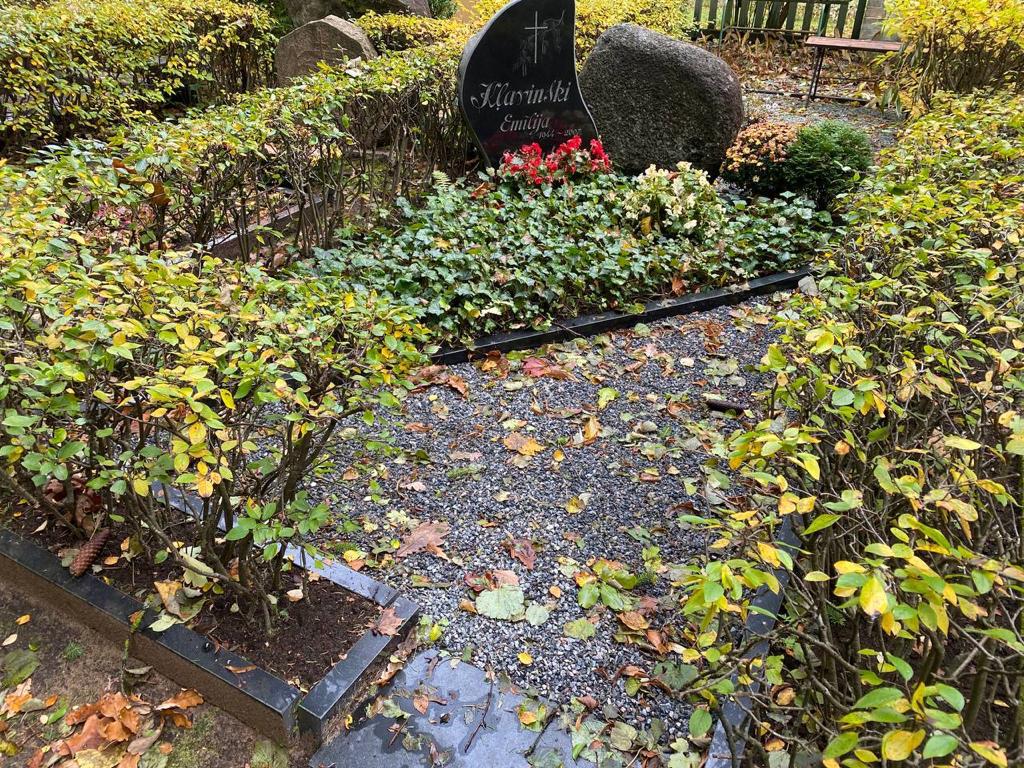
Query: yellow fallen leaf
{"points": [[23, 619], [525, 659]]}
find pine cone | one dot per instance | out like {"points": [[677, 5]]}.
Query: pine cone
{"points": [[89, 552]]}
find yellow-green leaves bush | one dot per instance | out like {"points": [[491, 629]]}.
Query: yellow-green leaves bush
{"points": [[336, 146], [894, 437], [125, 369], [398, 32], [75, 67], [595, 16], [955, 45]]}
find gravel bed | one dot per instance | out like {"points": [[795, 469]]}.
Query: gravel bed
{"points": [[465, 475]]}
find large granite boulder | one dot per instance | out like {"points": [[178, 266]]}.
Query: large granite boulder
{"points": [[657, 100], [330, 40], [305, 11]]}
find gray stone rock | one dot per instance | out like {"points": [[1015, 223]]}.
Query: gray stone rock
{"points": [[330, 40], [657, 100], [305, 11], [807, 286]]}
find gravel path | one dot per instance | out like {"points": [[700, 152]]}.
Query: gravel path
{"points": [[634, 479]]}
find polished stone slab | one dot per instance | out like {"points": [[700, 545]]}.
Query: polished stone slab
{"points": [[469, 721]]}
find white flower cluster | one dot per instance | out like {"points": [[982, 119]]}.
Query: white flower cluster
{"points": [[680, 202]]}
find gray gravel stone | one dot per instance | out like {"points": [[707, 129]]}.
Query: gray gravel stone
{"points": [[454, 467]]}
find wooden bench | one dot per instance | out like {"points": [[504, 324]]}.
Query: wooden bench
{"points": [[821, 44]]}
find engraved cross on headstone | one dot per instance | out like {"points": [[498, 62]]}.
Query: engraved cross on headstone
{"points": [[536, 28]]}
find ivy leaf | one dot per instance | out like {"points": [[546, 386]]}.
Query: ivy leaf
{"points": [[581, 629], [502, 603]]}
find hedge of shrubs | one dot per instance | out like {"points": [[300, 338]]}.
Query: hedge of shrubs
{"points": [[71, 68], [954, 45], [893, 440], [340, 145], [399, 32], [124, 367]]}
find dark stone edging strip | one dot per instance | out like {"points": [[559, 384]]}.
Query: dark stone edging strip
{"points": [[342, 684], [726, 750], [256, 697], [591, 325]]}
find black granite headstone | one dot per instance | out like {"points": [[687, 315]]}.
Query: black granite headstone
{"points": [[517, 79]]}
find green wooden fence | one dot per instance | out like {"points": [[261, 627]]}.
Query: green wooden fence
{"points": [[835, 18]]}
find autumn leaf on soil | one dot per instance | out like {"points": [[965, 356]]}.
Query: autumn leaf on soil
{"points": [[591, 430], [425, 537], [521, 444], [521, 550], [388, 623]]}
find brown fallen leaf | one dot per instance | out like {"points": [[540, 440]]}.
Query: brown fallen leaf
{"points": [[388, 623], [634, 620], [240, 670], [184, 699], [537, 368], [491, 579], [425, 537], [521, 444], [17, 699], [521, 550], [421, 703]]}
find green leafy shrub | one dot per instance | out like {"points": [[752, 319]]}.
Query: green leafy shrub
{"points": [[824, 158], [679, 203], [784, 232], [73, 68], [399, 32], [124, 369], [757, 159], [818, 161], [953, 45], [506, 252], [443, 9], [336, 147], [892, 441]]}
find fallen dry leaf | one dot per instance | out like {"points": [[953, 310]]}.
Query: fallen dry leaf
{"points": [[388, 623], [536, 368], [634, 620], [521, 550], [521, 444], [425, 537]]}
